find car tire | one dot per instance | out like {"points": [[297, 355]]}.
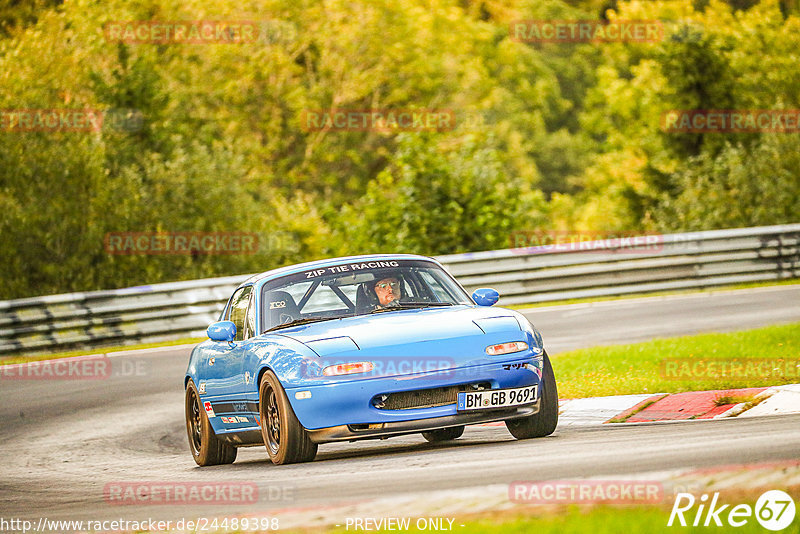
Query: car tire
{"points": [[543, 423], [206, 448], [286, 440], [444, 434]]}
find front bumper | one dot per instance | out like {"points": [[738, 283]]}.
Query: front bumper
{"points": [[347, 404], [385, 430]]}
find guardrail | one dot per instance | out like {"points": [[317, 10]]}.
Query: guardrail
{"points": [[545, 273], [618, 267]]}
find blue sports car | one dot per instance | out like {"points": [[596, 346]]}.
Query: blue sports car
{"points": [[360, 348]]}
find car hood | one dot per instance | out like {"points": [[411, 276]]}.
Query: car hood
{"points": [[453, 336]]}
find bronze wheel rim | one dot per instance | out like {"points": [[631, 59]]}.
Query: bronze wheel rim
{"points": [[272, 419], [195, 422]]}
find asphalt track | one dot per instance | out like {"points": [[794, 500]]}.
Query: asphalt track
{"points": [[63, 441]]}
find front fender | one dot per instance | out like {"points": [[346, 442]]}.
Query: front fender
{"points": [[194, 358], [533, 335], [287, 358]]}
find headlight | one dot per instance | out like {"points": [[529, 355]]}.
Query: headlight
{"points": [[506, 348], [347, 368]]}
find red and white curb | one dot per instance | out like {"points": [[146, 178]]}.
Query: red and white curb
{"points": [[777, 400], [596, 410], [690, 405]]}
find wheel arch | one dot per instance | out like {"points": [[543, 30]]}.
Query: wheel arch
{"points": [[261, 371]]}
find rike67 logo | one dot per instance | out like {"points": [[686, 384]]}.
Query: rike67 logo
{"points": [[774, 510]]}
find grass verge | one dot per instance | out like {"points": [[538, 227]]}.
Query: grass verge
{"points": [[725, 400], [766, 356]]}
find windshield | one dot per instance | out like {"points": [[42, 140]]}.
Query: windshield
{"points": [[356, 288]]}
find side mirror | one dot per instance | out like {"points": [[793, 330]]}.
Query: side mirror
{"points": [[222, 331], [485, 296]]}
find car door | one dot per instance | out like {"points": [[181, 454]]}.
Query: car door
{"points": [[224, 363], [244, 403], [236, 403]]}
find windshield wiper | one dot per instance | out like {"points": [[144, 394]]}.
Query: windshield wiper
{"points": [[422, 304], [410, 305], [296, 322]]}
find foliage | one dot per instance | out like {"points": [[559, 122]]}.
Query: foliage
{"points": [[439, 200], [548, 135]]}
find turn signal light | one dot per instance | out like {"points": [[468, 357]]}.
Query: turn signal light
{"points": [[506, 348], [347, 369]]}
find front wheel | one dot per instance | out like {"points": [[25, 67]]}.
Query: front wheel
{"points": [[542, 423], [444, 434], [206, 448], [286, 440]]}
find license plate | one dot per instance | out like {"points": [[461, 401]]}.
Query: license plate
{"points": [[495, 398]]}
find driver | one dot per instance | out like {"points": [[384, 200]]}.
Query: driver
{"points": [[388, 292]]}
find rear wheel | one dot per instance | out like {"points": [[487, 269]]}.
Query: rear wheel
{"points": [[444, 434], [286, 440], [206, 448], [543, 423]]}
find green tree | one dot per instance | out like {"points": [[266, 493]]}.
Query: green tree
{"points": [[741, 186], [443, 199]]}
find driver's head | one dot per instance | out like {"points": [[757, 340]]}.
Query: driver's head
{"points": [[387, 289]]}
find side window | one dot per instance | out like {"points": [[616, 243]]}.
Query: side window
{"points": [[435, 286], [250, 321], [226, 311], [238, 310]]}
